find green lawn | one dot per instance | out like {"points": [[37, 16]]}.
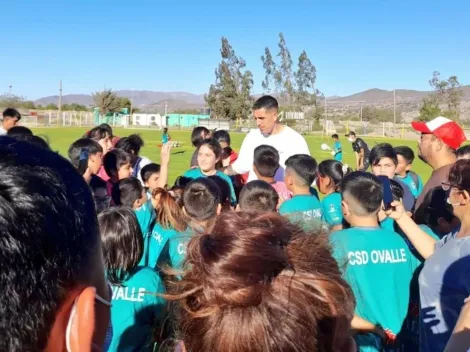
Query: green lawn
{"points": [[61, 138]]}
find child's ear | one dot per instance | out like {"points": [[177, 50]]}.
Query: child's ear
{"points": [[345, 208], [219, 209], [408, 167]]}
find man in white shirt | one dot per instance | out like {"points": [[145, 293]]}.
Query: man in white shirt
{"points": [[10, 118], [270, 132]]}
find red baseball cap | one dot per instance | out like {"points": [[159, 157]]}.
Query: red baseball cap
{"points": [[446, 130]]}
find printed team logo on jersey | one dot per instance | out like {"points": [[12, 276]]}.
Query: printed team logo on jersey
{"points": [[332, 208]]}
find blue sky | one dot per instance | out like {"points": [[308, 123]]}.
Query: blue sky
{"points": [[174, 45]]}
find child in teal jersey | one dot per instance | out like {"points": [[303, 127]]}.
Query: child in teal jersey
{"points": [[136, 309], [405, 156], [377, 263], [130, 193], [337, 149], [330, 174], [171, 223], [304, 207], [165, 136], [208, 156], [201, 199]]}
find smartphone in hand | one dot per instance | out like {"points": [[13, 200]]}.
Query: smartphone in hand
{"points": [[387, 192]]}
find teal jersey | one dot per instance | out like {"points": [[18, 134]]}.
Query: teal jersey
{"points": [[158, 239], [165, 138], [146, 219], [304, 210], [135, 308], [196, 173], [415, 184], [331, 209], [388, 224], [379, 267], [338, 151], [173, 253]]}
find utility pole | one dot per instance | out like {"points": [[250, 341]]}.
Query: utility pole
{"points": [[9, 89], [394, 110], [326, 114], [60, 96], [166, 107], [361, 111]]}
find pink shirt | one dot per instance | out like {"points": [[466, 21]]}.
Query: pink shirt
{"points": [[102, 173], [281, 189]]}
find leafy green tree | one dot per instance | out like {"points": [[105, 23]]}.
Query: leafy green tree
{"points": [[51, 107], [270, 68], [430, 108], [28, 105], [107, 101], [296, 88], [11, 100], [447, 92], [230, 96]]}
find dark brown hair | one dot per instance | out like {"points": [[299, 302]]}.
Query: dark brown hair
{"points": [[169, 212], [259, 283], [122, 243], [459, 174]]}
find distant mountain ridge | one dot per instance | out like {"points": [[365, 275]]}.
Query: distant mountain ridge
{"points": [[150, 100]]}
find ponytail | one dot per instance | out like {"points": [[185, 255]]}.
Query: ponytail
{"points": [[169, 210], [335, 170]]}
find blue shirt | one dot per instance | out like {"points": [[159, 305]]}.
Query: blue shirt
{"points": [[303, 209], [135, 307], [444, 283], [158, 239], [196, 173], [146, 219], [338, 151], [331, 209], [379, 268], [415, 187]]}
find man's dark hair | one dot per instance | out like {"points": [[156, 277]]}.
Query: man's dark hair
{"points": [[114, 160], [182, 181], [127, 191], [258, 196], [197, 135], [266, 102], [48, 238], [122, 243], [304, 166], [201, 198], [406, 152], [148, 170], [380, 151], [266, 160], [351, 133], [222, 136], [76, 148], [335, 136], [10, 112], [463, 151], [131, 144], [19, 131], [365, 189]]}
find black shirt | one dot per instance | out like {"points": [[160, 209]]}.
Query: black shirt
{"points": [[359, 144]]}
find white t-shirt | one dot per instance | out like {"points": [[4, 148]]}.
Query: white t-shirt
{"points": [[144, 161], [3, 131], [287, 143]]}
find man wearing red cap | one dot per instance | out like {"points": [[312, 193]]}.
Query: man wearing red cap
{"points": [[440, 138]]}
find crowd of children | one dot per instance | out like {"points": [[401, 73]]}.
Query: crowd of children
{"points": [[190, 265]]}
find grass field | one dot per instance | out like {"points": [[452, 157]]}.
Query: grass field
{"points": [[61, 138]]}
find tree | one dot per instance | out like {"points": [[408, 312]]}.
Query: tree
{"points": [[51, 107], [28, 105], [125, 103], [447, 92], [296, 88], [270, 68], [230, 96], [107, 101], [430, 108], [11, 100]]}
